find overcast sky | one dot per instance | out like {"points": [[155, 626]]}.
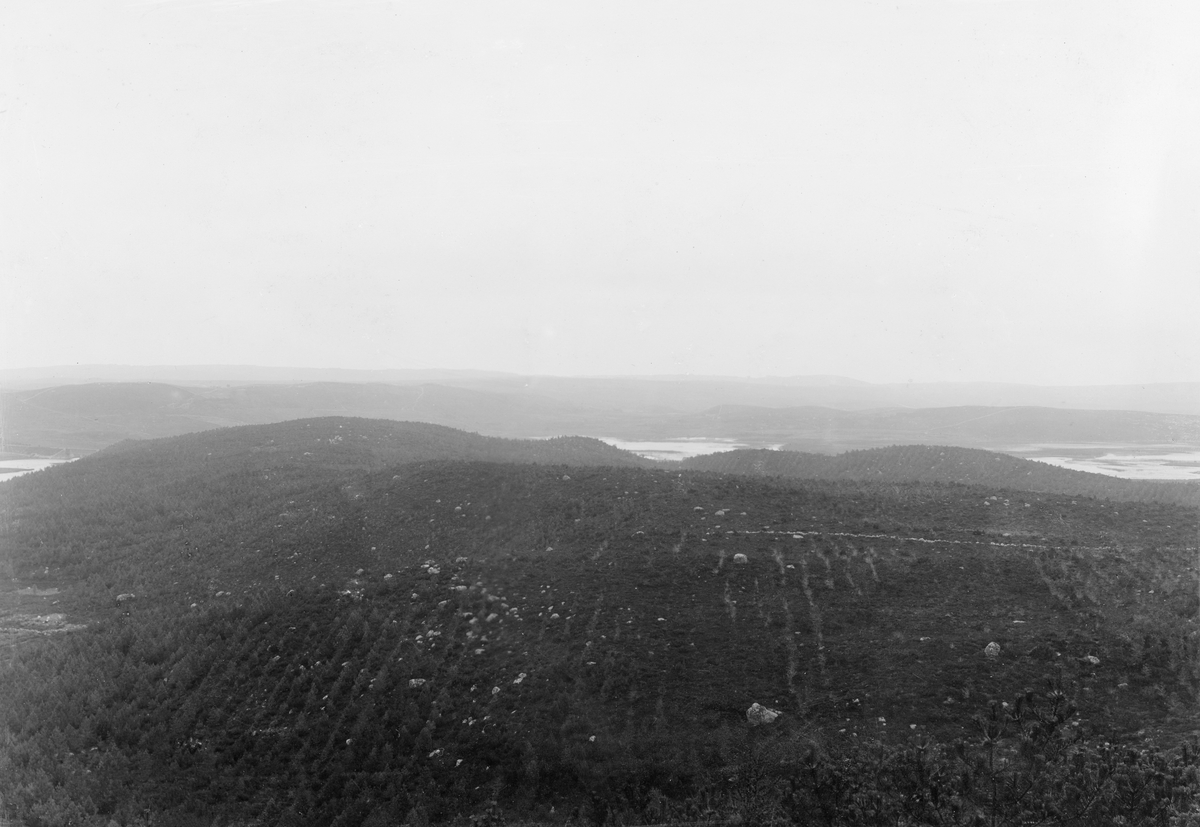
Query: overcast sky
{"points": [[934, 190]]}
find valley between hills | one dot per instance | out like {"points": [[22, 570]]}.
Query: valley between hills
{"points": [[350, 621]]}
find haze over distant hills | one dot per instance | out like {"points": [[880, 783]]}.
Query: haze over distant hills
{"points": [[823, 414], [651, 393], [86, 417]]}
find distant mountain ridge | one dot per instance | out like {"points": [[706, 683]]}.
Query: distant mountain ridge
{"points": [[960, 425], [680, 393], [85, 417], [90, 416]]}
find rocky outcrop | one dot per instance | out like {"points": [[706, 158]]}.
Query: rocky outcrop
{"points": [[759, 715]]}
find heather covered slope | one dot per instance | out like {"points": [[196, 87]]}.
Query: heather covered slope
{"points": [[940, 463], [340, 639]]}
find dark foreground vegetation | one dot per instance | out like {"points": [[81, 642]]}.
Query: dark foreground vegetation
{"points": [[328, 623]]}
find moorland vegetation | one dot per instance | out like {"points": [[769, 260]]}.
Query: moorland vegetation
{"points": [[348, 622]]}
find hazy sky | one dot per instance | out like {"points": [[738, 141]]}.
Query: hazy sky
{"points": [[934, 190]]}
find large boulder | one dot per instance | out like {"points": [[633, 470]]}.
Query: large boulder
{"points": [[758, 715]]}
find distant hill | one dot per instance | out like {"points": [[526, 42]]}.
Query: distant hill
{"points": [[323, 445], [352, 442], [86, 417], [648, 394], [695, 394], [971, 426], [932, 463], [77, 419]]}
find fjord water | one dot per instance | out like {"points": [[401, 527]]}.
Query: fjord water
{"points": [[679, 449], [1132, 462], [13, 468]]}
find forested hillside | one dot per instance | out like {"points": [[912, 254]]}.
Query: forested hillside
{"points": [[229, 489], [941, 463], [346, 622]]}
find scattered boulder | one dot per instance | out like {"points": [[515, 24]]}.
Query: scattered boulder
{"points": [[1090, 660], [124, 598], [416, 683], [992, 650], [759, 715], [740, 559]]}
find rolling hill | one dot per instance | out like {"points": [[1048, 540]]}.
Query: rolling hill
{"points": [[947, 464], [354, 622], [84, 418]]}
